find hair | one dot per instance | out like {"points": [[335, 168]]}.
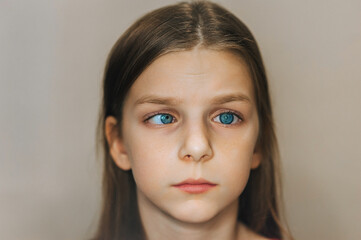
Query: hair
{"points": [[181, 27]]}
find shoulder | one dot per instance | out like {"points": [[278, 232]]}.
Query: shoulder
{"points": [[245, 233]]}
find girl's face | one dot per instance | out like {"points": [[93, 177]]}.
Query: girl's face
{"points": [[190, 114]]}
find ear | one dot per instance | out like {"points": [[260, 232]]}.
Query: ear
{"points": [[256, 158], [116, 144]]}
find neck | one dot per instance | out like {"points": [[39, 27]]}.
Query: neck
{"points": [[160, 225]]}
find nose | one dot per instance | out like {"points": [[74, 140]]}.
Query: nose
{"points": [[196, 144]]}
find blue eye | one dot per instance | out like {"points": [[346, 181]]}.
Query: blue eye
{"points": [[227, 118], [161, 119]]}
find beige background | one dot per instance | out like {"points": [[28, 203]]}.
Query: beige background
{"points": [[52, 55]]}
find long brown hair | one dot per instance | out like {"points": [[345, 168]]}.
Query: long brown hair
{"points": [[181, 27]]}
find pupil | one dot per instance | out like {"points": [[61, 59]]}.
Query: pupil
{"points": [[226, 118], [166, 119]]}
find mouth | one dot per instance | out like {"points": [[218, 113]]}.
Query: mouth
{"points": [[191, 185]]}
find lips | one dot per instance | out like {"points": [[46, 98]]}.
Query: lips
{"points": [[193, 181], [191, 185]]}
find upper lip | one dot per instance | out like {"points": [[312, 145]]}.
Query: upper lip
{"points": [[194, 181]]}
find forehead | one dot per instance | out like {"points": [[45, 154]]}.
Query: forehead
{"points": [[195, 75]]}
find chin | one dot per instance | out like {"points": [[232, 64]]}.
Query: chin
{"points": [[194, 213]]}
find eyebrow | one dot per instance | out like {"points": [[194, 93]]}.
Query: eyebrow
{"points": [[218, 100]]}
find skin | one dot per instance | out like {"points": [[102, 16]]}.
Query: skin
{"points": [[195, 144]]}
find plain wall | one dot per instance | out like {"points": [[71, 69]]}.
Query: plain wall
{"points": [[52, 55]]}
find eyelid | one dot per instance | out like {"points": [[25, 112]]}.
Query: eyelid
{"points": [[151, 115], [238, 114]]}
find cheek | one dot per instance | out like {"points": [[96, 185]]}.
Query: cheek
{"points": [[151, 160], [235, 162]]}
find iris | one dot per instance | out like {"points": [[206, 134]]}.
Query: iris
{"points": [[226, 118], [166, 118]]}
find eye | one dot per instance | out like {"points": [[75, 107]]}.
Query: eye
{"points": [[228, 118], [160, 119]]}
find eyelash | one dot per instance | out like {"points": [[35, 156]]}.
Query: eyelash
{"points": [[237, 115]]}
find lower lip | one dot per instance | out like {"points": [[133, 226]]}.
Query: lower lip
{"points": [[195, 188]]}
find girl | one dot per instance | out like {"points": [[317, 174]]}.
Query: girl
{"points": [[187, 129]]}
